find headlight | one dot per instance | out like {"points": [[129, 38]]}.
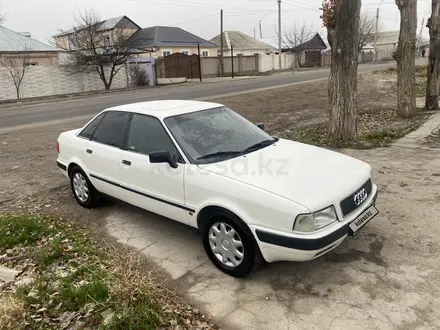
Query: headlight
{"points": [[314, 221]]}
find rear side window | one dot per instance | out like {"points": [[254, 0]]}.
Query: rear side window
{"points": [[88, 131], [111, 129]]}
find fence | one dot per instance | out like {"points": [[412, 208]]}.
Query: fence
{"points": [[272, 62], [242, 65], [47, 81]]}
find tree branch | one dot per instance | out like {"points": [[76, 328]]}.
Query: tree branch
{"points": [[97, 48]]}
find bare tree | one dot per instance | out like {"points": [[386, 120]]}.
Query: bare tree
{"points": [[405, 56], [90, 48], [341, 18], [15, 68], [433, 85], [3, 18], [295, 39], [367, 29]]}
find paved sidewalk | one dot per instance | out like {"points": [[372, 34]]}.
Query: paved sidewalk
{"points": [[220, 79], [415, 139], [387, 277]]}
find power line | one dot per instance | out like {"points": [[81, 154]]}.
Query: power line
{"points": [[304, 5], [269, 12], [194, 19], [187, 4]]}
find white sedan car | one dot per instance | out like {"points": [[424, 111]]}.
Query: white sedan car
{"points": [[253, 197]]}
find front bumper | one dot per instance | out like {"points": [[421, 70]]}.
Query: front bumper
{"points": [[277, 246]]}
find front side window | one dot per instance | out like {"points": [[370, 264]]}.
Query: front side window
{"points": [[88, 131], [111, 129], [147, 134], [216, 134]]}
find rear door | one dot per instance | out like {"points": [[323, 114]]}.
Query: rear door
{"points": [[103, 152], [155, 187]]}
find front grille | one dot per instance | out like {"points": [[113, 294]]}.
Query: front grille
{"points": [[348, 205]]}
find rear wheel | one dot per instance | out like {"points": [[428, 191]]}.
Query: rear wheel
{"points": [[85, 194], [230, 245]]}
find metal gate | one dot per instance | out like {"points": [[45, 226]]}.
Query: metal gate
{"points": [[313, 58], [367, 57], [179, 65]]}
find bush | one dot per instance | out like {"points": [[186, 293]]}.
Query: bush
{"points": [[139, 76]]}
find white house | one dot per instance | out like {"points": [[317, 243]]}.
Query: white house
{"points": [[242, 44]]}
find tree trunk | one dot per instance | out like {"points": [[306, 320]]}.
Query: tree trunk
{"points": [[18, 92], [433, 84], [405, 56], [112, 74], [101, 72], [343, 72]]}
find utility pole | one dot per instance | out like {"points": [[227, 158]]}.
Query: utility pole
{"points": [[279, 32], [221, 44], [232, 60], [200, 61], [375, 32], [375, 36], [420, 36], [261, 33], [255, 35]]}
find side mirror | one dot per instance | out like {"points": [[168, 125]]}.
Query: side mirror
{"points": [[157, 157], [260, 126]]}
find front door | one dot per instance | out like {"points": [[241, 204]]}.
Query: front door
{"points": [[154, 187]]}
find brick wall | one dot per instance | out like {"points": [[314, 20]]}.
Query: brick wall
{"points": [[47, 81]]}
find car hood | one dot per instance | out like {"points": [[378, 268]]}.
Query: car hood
{"points": [[308, 175]]}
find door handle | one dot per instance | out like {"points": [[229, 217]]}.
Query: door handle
{"points": [[126, 162], [89, 151]]}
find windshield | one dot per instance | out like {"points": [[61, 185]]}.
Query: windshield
{"points": [[214, 135]]}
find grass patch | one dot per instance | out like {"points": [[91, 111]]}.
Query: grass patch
{"points": [[421, 71], [80, 283], [21, 230], [369, 136], [76, 297], [11, 312]]}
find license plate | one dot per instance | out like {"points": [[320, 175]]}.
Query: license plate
{"points": [[362, 220]]}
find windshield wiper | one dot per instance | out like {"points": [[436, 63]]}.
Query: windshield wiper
{"points": [[220, 153], [260, 145]]}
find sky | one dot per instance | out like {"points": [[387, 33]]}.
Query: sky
{"points": [[44, 18]]}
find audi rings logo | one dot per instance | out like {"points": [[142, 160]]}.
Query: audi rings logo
{"points": [[360, 197]]}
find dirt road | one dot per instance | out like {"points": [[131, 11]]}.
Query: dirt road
{"points": [[387, 277]]}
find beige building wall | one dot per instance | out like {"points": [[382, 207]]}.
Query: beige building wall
{"points": [[62, 42], [191, 50], [36, 58]]}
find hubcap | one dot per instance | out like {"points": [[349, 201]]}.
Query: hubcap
{"points": [[80, 187], [226, 244]]}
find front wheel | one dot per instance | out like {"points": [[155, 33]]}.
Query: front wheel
{"points": [[230, 246]]}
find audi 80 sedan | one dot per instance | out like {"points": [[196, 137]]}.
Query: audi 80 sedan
{"points": [[253, 197]]}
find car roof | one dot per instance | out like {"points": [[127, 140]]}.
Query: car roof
{"points": [[163, 109]]}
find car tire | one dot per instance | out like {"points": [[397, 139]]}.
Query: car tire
{"points": [[85, 193], [252, 257]]}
